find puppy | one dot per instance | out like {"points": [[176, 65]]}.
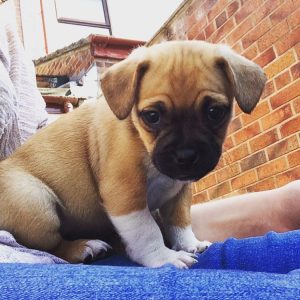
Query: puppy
{"points": [[108, 165]]}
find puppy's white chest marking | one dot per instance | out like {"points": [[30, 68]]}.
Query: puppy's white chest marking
{"points": [[160, 189]]}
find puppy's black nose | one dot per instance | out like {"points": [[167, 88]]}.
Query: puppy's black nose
{"points": [[186, 156]]}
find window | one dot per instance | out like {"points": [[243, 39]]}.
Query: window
{"points": [[92, 13]]}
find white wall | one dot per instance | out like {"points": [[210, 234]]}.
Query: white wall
{"points": [[32, 28], [132, 19], [139, 19]]}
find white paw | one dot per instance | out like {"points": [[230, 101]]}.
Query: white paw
{"points": [[162, 256], [94, 249], [196, 246], [184, 239]]}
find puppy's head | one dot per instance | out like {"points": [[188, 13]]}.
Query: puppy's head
{"points": [[179, 96]]}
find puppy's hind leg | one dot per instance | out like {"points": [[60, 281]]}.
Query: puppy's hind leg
{"points": [[28, 210], [82, 250]]}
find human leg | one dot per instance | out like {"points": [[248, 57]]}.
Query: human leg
{"points": [[246, 215]]}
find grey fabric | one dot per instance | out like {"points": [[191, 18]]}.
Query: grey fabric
{"points": [[12, 252], [22, 109]]}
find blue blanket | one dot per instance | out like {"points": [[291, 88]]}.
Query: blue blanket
{"points": [[254, 268]]}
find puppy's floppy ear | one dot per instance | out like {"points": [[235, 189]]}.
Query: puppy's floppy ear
{"points": [[247, 79], [120, 84]]}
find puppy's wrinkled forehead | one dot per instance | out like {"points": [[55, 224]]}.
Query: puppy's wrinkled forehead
{"points": [[181, 73], [181, 70]]}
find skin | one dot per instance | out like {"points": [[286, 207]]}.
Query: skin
{"points": [[247, 215]]}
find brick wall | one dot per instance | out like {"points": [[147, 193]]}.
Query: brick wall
{"points": [[262, 150], [73, 61]]}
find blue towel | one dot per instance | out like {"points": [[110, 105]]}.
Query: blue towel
{"points": [[254, 268]]}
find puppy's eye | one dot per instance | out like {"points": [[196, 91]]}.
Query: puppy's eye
{"points": [[151, 117], [216, 113]]}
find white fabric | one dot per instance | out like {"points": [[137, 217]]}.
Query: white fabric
{"points": [[22, 108]]}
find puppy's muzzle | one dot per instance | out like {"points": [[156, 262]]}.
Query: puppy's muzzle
{"points": [[186, 156], [186, 162]]}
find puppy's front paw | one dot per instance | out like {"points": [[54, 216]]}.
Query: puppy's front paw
{"points": [[194, 246], [180, 259], [184, 239]]}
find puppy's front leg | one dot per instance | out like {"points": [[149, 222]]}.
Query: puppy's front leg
{"points": [[176, 219], [140, 233]]}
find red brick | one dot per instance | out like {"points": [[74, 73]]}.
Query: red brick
{"points": [[237, 47], [228, 172], [206, 182], [276, 116], [264, 140], [288, 41], [283, 79], [288, 93], [295, 70], [251, 52], [296, 3], [265, 185], [220, 164], [296, 104], [288, 176], [290, 127], [208, 6], [201, 36], [294, 18], [258, 31], [284, 146], [221, 19], [191, 18], [219, 190], [232, 8], [244, 180], [282, 12], [269, 89], [217, 9], [265, 10], [196, 28], [274, 167], [294, 159], [253, 161], [236, 153], [228, 144], [209, 29], [237, 110], [260, 110], [247, 133], [285, 61], [222, 31], [194, 6], [234, 125], [270, 37], [297, 49], [200, 197], [266, 57], [239, 31], [249, 7]]}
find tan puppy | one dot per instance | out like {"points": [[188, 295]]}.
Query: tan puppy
{"points": [[108, 166]]}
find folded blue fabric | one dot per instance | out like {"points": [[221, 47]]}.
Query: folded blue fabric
{"points": [[274, 253], [224, 271]]}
